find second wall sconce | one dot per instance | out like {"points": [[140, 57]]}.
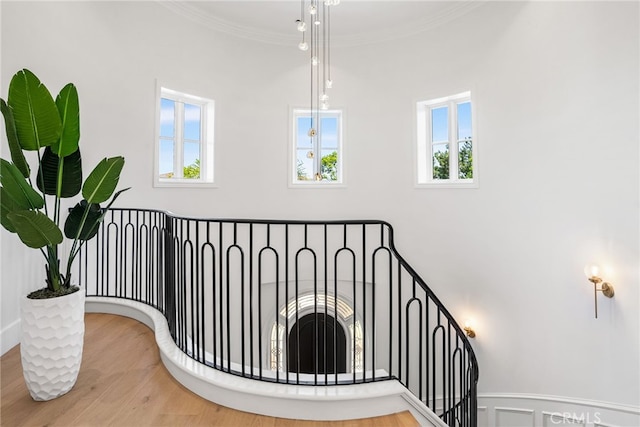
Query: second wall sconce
{"points": [[592, 271]]}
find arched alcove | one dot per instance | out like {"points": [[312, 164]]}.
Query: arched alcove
{"points": [[317, 344], [335, 316]]}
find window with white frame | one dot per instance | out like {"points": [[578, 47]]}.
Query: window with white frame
{"points": [[446, 146], [184, 145], [317, 159]]}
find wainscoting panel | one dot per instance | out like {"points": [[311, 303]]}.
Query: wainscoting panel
{"points": [[514, 417], [515, 410], [553, 419], [483, 416]]}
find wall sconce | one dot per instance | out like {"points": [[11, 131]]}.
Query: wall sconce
{"points": [[592, 271], [468, 329]]}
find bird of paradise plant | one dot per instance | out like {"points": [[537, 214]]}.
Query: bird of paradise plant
{"points": [[34, 121]]}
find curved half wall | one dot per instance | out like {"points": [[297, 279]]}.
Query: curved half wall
{"points": [[327, 403]]}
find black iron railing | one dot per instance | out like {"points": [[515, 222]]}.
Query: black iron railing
{"points": [[297, 302]]}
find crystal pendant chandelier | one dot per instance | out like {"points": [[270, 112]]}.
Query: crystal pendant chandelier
{"points": [[315, 26]]}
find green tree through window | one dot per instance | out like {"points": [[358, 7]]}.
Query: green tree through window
{"points": [[441, 165], [465, 159], [193, 170], [330, 166], [465, 162]]}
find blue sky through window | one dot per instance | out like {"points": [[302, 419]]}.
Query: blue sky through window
{"points": [[464, 120], [191, 135], [440, 124], [329, 132], [191, 153], [167, 130], [166, 156], [167, 114], [304, 146], [192, 122], [304, 124], [192, 115]]}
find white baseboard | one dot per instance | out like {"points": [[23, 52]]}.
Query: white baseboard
{"points": [[10, 337], [509, 409], [327, 403]]}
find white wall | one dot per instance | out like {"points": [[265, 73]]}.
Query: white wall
{"points": [[556, 93]]}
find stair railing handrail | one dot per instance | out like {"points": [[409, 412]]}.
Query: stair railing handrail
{"points": [[433, 296], [165, 288]]}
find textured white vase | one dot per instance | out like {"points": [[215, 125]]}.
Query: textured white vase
{"points": [[51, 346]]}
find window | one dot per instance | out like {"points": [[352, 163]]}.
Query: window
{"points": [[445, 142], [184, 147], [317, 160]]}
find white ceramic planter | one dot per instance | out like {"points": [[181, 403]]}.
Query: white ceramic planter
{"points": [[51, 346]]}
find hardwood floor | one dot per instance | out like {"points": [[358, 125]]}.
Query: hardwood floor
{"points": [[122, 382]]}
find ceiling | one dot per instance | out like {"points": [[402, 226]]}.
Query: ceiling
{"points": [[353, 22]]}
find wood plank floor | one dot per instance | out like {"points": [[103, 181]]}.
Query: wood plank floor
{"points": [[122, 382]]}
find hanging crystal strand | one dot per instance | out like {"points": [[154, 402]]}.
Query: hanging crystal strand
{"points": [[319, 47], [302, 25], [316, 98], [312, 131], [324, 97], [327, 81], [316, 95], [303, 44]]}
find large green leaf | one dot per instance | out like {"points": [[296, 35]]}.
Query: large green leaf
{"points": [[17, 156], [35, 114], [74, 227], [7, 205], [35, 229], [69, 109], [17, 188], [69, 182], [92, 221], [102, 181]]}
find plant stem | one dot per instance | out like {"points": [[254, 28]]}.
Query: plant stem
{"points": [[41, 179], [53, 282], [72, 257], [75, 248], [53, 270], [56, 214]]}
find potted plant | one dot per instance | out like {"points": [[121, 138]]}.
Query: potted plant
{"points": [[52, 318]]}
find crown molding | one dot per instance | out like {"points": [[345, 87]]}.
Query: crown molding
{"points": [[445, 13]]}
